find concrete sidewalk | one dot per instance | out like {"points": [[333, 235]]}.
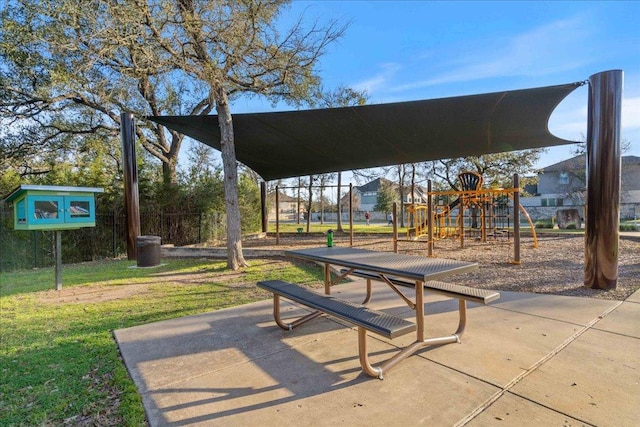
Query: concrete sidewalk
{"points": [[528, 359]]}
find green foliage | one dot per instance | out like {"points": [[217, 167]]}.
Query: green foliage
{"points": [[386, 197], [249, 200], [497, 169], [543, 224], [629, 227]]}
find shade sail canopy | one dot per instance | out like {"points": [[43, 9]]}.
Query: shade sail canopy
{"points": [[296, 143]]}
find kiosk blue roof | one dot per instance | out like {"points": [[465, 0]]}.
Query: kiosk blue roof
{"points": [[54, 188]]}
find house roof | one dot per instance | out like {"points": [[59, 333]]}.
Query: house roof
{"points": [[571, 164], [296, 143], [579, 162], [374, 185], [283, 197]]}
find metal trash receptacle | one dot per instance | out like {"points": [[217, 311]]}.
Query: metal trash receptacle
{"points": [[148, 248]]}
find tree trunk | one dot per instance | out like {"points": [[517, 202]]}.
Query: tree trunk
{"points": [[235, 258], [169, 175]]}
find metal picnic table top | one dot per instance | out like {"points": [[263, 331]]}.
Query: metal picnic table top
{"points": [[410, 267]]}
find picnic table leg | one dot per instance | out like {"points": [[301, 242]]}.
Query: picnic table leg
{"points": [[420, 311], [462, 308], [421, 342], [327, 279], [295, 323], [367, 297]]}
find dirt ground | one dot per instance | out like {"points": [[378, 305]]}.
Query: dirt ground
{"points": [[556, 266]]}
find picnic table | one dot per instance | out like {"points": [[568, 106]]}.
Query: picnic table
{"points": [[397, 271]]}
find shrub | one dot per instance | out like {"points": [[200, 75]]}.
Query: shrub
{"points": [[627, 227], [543, 224]]}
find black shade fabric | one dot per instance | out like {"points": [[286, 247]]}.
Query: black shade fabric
{"points": [[296, 143]]}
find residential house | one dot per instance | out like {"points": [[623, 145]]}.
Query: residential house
{"points": [[564, 184], [365, 197], [287, 205]]}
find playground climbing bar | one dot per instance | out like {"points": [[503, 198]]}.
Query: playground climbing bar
{"points": [[482, 214]]}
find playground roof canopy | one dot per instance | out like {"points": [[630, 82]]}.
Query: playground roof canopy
{"points": [[296, 143]]}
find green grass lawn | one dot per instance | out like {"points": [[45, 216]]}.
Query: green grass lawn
{"points": [[59, 362]]}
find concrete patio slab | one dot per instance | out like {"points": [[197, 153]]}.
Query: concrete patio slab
{"points": [[625, 320], [595, 379], [499, 345], [319, 383], [512, 410], [529, 360], [567, 309], [635, 297]]}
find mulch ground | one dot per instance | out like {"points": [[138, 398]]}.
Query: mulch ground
{"points": [[555, 266]]}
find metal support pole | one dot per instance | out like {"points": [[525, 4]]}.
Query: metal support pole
{"points": [[516, 219], [394, 218], [350, 215], [131, 201], [431, 217], [602, 220], [461, 218], [263, 204], [277, 215]]}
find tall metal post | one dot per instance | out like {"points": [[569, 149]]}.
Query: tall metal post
{"points": [[350, 215], [277, 215], [516, 219], [602, 219], [263, 203], [431, 217], [131, 200], [394, 220]]}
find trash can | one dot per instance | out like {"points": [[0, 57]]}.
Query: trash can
{"points": [[148, 251]]}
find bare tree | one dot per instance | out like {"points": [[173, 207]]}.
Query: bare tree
{"points": [[342, 96]]}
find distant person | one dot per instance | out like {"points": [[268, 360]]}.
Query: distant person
{"points": [[389, 219], [367, 216]]}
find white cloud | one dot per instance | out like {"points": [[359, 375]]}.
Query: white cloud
{"points": [[387, 71], [569, 120], [551, 48]]}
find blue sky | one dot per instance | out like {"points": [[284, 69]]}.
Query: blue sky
{"points": [[408, 50]]}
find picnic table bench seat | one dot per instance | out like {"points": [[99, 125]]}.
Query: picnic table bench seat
{"points": [[480, 296], [378, 322]]}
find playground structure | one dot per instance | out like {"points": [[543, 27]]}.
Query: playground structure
{"points": [[473, 212]]}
